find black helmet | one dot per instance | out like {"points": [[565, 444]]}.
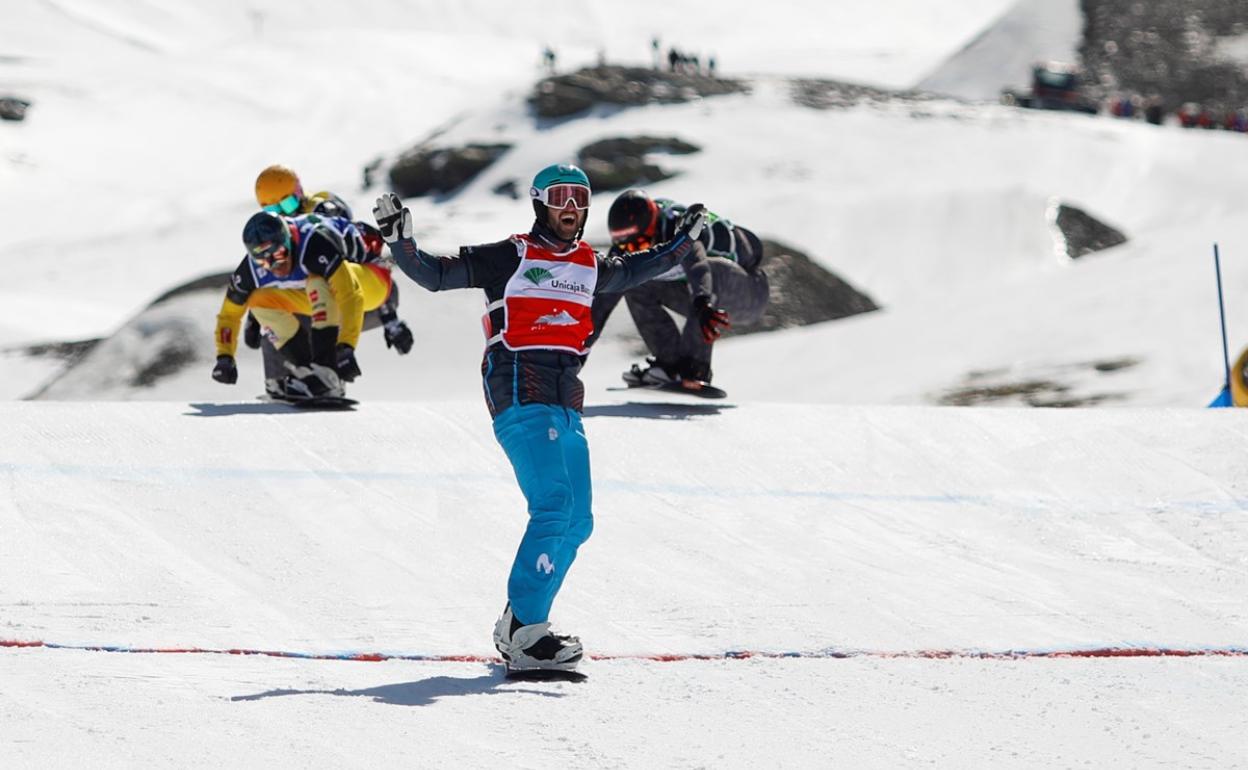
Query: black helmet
{"points": [[633, 216], [264, 234]]}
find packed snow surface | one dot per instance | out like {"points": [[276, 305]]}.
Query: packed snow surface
{"points": [[840, 545], [817, 571]]}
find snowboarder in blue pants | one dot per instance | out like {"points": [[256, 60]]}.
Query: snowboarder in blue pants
{"points": [[547, 448], [539, 289]]}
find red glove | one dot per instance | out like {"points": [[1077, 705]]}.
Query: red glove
{"points": [[713, 320]]}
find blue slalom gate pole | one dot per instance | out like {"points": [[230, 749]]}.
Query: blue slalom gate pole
{"points": [[1223, 398]]}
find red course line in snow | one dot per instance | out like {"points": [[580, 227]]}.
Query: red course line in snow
{"points": [[374, 657]]}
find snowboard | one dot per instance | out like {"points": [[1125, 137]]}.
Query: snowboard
{"points": [[632, 378], [702, 389], [543, 675], [320, 402]]}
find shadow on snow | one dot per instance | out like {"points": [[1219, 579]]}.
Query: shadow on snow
{"points": [[225, 410], [424, 692], [656, 411]]}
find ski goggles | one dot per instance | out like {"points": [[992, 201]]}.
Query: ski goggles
{"points": [[266, 254], [288, 205], [638, 243], [557, 196]]}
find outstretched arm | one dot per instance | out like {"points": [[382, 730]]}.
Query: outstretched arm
{"points": [[431, 272], [623, 272]]}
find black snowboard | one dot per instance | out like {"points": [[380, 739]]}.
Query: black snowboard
{"points": [[633, 379], [320, 402], [324, 402], [543, 675], [703, 389]]}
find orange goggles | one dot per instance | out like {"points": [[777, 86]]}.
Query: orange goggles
{"points": [[640, 243]]}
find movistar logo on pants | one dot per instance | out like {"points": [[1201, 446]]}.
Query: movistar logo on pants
{"points": [[537, 275], [544, 564]]}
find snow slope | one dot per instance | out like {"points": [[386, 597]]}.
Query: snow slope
{"points": [[938, 210], [774, 580], [854, 543], [150, 121], [1002, 55]]}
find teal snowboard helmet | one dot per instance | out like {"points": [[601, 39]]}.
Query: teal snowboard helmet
{"points": [[558, 185]]}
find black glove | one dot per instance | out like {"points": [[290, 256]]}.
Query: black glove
{"points": [[713, 320], [344, 362], [225, 371], [398, 336], [251, 332], [393, 218], [691, 222]]}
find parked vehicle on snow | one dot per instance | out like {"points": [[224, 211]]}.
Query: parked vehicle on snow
{"points": [[1054, 86]]}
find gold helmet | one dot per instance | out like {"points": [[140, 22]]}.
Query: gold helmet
{"points": [[276, 184]]}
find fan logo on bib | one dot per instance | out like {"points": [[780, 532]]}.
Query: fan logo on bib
{"points": [[537, 275]]}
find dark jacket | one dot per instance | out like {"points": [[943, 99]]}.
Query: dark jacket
{"points": [[530, 376]]}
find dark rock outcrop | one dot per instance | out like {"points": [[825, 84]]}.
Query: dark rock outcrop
{"points": [[1083, 233], [12, 108], [66, 351], [441, 170], [1167, 48], [509, 187], [562, 96], [1060, 386], [838, 95], [615, 164], [803, 292]]}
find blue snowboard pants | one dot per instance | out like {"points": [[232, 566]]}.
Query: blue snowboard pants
{"points": [[547, 448]]}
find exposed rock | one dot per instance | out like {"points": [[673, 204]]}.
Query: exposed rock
{"points": [[508, 187], [1083, 233], [169, 354], [1038, 393], [838, 95], [67, 351], [370, 172], [803, 292], [12, 108], [619, 163], [1060, 386], [441, 170], [1167, 48], [562, 96]]}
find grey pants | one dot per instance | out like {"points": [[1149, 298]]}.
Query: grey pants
{"points": [[741, 294]]}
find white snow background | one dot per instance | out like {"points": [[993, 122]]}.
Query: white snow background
{"points": [[824, 570]]}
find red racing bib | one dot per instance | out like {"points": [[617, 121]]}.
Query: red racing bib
{"points": [[546, 302]]}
